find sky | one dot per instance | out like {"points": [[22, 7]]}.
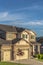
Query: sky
{"points": [[23, 13]]}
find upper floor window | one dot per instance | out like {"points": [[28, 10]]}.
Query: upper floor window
{"points": [[24, 36], [32, 36]]}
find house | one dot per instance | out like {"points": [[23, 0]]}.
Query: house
{"points": [[17, 43], [40, 40]]}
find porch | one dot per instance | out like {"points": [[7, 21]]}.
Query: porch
{"points": [[35, 48]]}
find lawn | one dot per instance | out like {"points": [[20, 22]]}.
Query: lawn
{"points": [[40, 60], [10, 63]]}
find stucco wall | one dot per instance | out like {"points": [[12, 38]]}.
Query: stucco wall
{"points": [[6, 46], [32, 34], [10, 35], [24, 46]]}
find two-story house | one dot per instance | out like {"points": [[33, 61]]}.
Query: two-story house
{"points": [[17, 43]]}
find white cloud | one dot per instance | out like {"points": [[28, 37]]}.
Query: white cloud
{"points": [[3, 14], [33, 7], [36, 23], [31, 23], [17, 19], [6, 16]]}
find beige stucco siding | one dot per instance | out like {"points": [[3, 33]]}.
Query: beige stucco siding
{"points": [[34, 39], [32, 34], [10, 35], [24, 56], [22, 42], [6, 46], [24, 46]]}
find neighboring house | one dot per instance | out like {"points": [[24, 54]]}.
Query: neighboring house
{"points": [[40, 40], [17, 43]]}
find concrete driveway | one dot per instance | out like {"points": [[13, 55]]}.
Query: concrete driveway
{"points": [[30, 62]]}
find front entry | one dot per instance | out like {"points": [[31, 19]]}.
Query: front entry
{"points": [[22, 54], [36, 49], [6, 56]]}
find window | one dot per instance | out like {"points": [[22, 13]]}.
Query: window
{"points": [[10, 35], [32, 36], [20, 52], [24, 36]]}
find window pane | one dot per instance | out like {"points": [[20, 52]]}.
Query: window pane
{"points": [[26, 36], [32, 36], [23, 36]]}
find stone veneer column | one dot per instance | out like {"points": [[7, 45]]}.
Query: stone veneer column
{"points": [[29, 52], [39, 49], [33, 49]]}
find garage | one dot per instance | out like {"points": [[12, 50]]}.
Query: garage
{"points": [[6, 56], [22, 54]]}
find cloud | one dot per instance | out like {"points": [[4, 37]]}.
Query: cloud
{"points": [[19, 19], [33, 7], [3, 14], [36, 23], [6, 16], [29, 23], [41, 30]]}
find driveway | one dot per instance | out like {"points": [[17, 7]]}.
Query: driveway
{"points": [[30, 62]]}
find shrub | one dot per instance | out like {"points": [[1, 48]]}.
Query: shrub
{"points": [[41, 56], [38, 56], [35, 56]]}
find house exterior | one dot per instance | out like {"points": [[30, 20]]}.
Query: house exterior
{"points": [[17, 43], [40, 40]]}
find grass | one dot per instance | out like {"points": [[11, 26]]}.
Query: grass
{"points": [[39, 59], [10, 63]]}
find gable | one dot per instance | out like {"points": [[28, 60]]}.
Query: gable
{"points": [[32, 33], [22, 42], [26, 35]]}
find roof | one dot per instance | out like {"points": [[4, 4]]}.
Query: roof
{"points": [[27, 30], [2, 41], [8, 28], [20, 29], [17, 40], [35, 43], [39, 39], [23, 29]]}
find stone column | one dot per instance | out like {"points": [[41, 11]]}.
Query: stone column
{"points": [[39, 49], [29, 52], [33, 49]]}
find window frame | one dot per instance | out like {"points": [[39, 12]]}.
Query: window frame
{"points": [[24, 36], [32, 36]]}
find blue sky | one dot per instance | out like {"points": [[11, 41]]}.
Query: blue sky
{"points": [[23, 13]]}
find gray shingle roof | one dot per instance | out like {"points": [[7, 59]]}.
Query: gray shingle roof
{"points": [[2, 41], [8, 28]]}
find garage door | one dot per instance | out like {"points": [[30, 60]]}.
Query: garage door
{"points": [[23, 55], [6, 56]]}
